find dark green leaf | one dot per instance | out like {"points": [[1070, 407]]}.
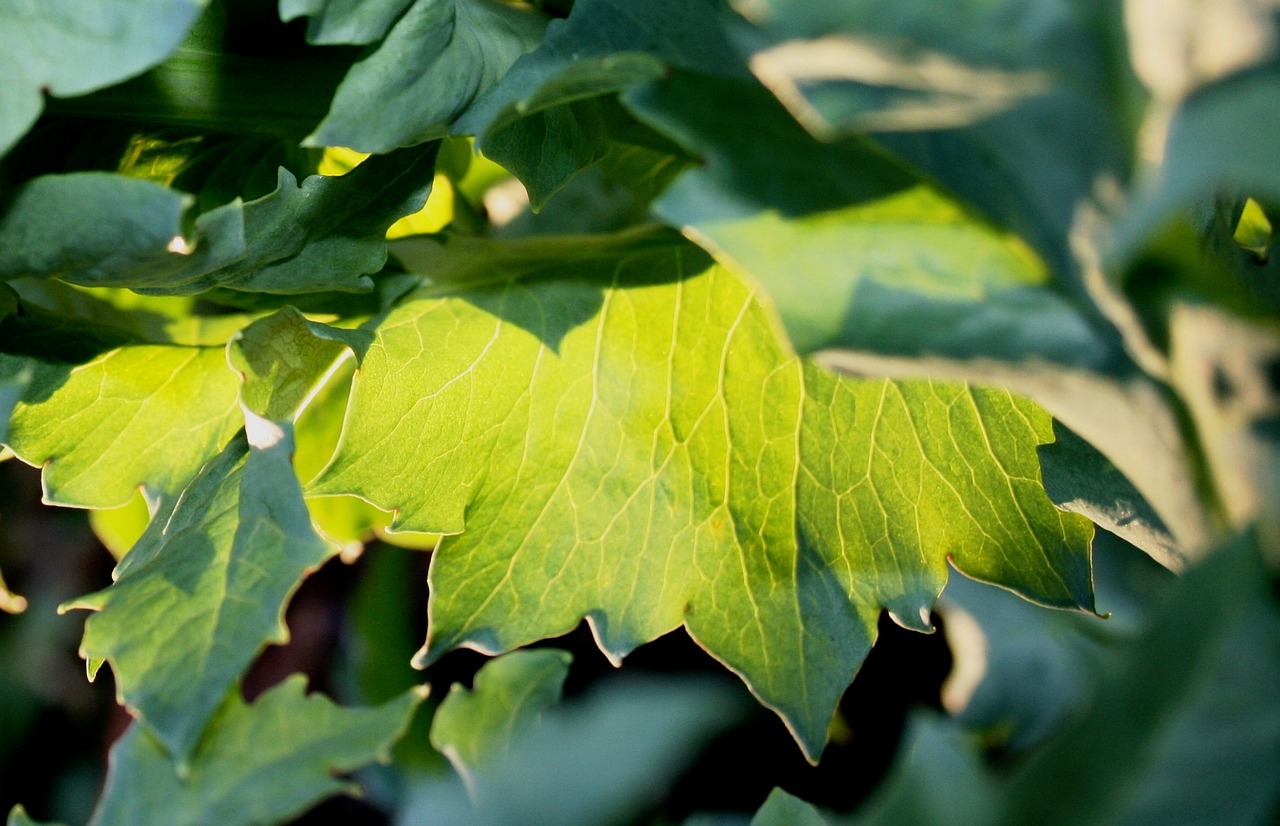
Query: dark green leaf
{"points": [[261, 763], [103, 230], [437, 58]]}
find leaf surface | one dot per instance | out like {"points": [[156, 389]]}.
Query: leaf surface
{"points": [[260, 763], [625, 439], [205, 587], [70, 47], [137, 415], [478, 726], [541, 120], [101, 230], [856, 249], [605, 758], [437, 58]]}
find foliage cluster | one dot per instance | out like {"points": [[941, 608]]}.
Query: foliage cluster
{"points": [[756, 318]]}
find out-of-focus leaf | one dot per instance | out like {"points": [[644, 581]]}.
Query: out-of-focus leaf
{"points": [[344, 21], [783, 809], [856, 250], [1184, 728], [476, 728], [602, 759], [437, 58], [1016, 106], [98, 229], [1189, 729], [1180, 45], [19, 817], [1228, 371], [629, 442], [1224, 138], [1021, 673], [259, 763], [69, 47]]}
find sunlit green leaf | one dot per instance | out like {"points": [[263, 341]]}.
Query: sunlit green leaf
{"points": [[135, 415], [629, 442], [205, 587], [260, 763]]}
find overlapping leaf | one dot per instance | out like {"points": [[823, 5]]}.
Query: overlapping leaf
{"points": [[205, 587], [104, 230], [435, 60], [69, 47], [856, 249], [625, 439], [1017, 106], [136, 415], [601, 759], [541, 121], [260, 763], [478, 726]]}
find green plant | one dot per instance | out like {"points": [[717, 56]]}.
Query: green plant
{"points": [[812, 301]]}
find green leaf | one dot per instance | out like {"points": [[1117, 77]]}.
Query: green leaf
{"points": [[1017, 106], [138, 415], [1080, 479], [541, 122], [1221, 139], [205, 588], [1021, 674], [477, 728], [855, 249], [437, 58], [603, 759], [344, 21], [629, 442], [1182, 732], [783, 809], [70, 47], [284, 357], [155, 319], [97, 229], [260, 763], [19, 817]]}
